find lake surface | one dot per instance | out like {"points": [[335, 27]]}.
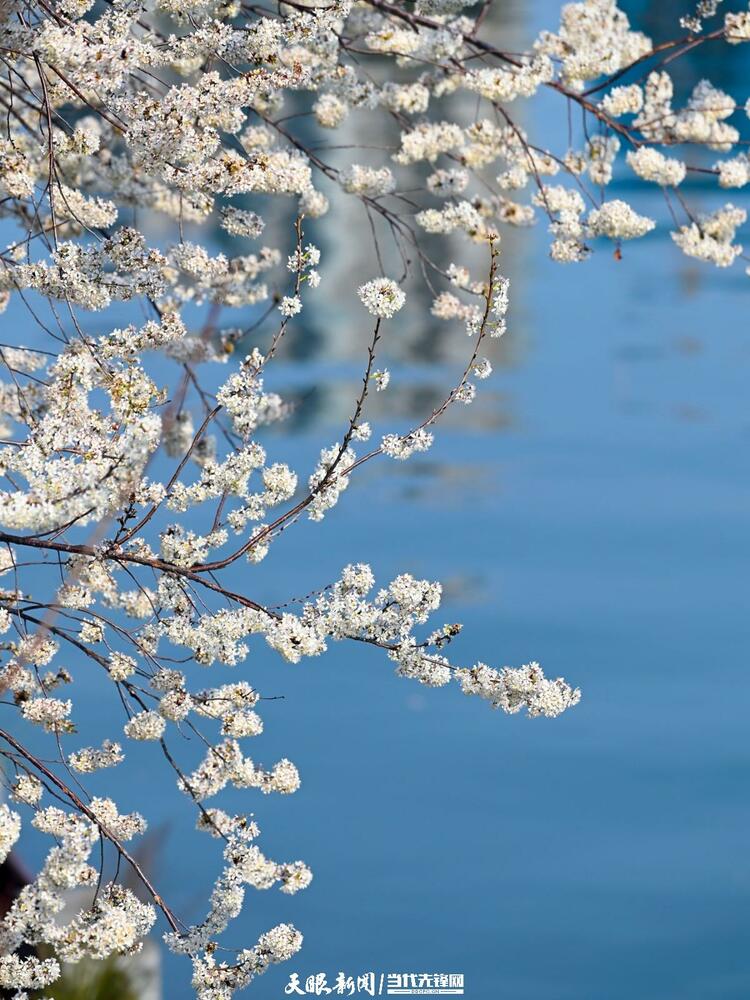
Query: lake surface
{"points": [[603, 530], [592, 512]]}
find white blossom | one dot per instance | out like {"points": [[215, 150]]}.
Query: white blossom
{"points": [[737, 27], [382, 297], [617, 220], [623, 100], [48, 712], [290, 305], [91, 759], [710, 238], [382, 379], [145, 726], [370, 181], [652, 165], [10, 829], [512, 689], [27, 789]]}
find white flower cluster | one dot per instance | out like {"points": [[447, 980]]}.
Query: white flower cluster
{"points": [[701, 122], [594, 40], [245, 865], [91, 759], [403, 447], [653, 166], [10, 830], [512, 689], [224, 764], [381, 297], [369, 181], [618, 221], [623, 101], [27, 789], [735, 172], [145, 726], [113, 924], [711, 237], [48, 712], [737, 27]]}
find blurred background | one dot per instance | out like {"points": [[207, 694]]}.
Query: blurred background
{"points": [[591, 510]]}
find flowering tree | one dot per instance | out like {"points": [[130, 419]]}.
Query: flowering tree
{"points": [[129, 505]]}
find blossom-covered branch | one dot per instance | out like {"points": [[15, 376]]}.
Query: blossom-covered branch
{"points": [[137, 139]]}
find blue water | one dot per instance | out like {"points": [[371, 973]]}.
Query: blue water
{"points": [[592, 512], [605, 532], [595, 518]]}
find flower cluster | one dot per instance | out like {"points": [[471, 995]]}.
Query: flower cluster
{"points": [[382, 297]]}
